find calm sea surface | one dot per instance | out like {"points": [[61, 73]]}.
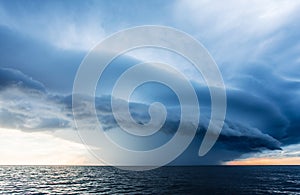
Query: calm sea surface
{"points": [[165, 180]]}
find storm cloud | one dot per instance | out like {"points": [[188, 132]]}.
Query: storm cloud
{"points": [[26, 105], [255, 47]]}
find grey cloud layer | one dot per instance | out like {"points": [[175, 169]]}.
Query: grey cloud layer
{"points": [[28, 106]]}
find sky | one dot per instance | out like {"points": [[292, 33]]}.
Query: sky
{"points": [[254, 43]]}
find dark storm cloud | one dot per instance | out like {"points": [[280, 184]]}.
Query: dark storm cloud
{"points": [[53, 67], [261, 73], [41, 110], [255, 121], [252, 124], [272, 104], [11, 77]]}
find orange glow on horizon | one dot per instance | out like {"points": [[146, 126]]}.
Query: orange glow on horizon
{"points": [[266, 161]]}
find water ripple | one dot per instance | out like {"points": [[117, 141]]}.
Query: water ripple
{"points": [[165, 180]]}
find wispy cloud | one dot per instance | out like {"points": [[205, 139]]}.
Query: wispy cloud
{"points": [[74, 28], [236, 32]]}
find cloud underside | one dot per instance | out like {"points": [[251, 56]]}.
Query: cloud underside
{"points": [[26, 105]]}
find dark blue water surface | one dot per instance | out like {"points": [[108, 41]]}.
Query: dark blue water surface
{"points": [[165, 180]]}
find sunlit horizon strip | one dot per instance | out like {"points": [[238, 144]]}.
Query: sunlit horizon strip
{"points": [[266, 161]]}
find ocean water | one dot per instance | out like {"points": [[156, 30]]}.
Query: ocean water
{"points": [[165, 180]]}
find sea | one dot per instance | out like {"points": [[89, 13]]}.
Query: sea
{"points": [[164, 180]]}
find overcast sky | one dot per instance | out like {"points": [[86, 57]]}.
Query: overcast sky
{"points": [[255, 44]]}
